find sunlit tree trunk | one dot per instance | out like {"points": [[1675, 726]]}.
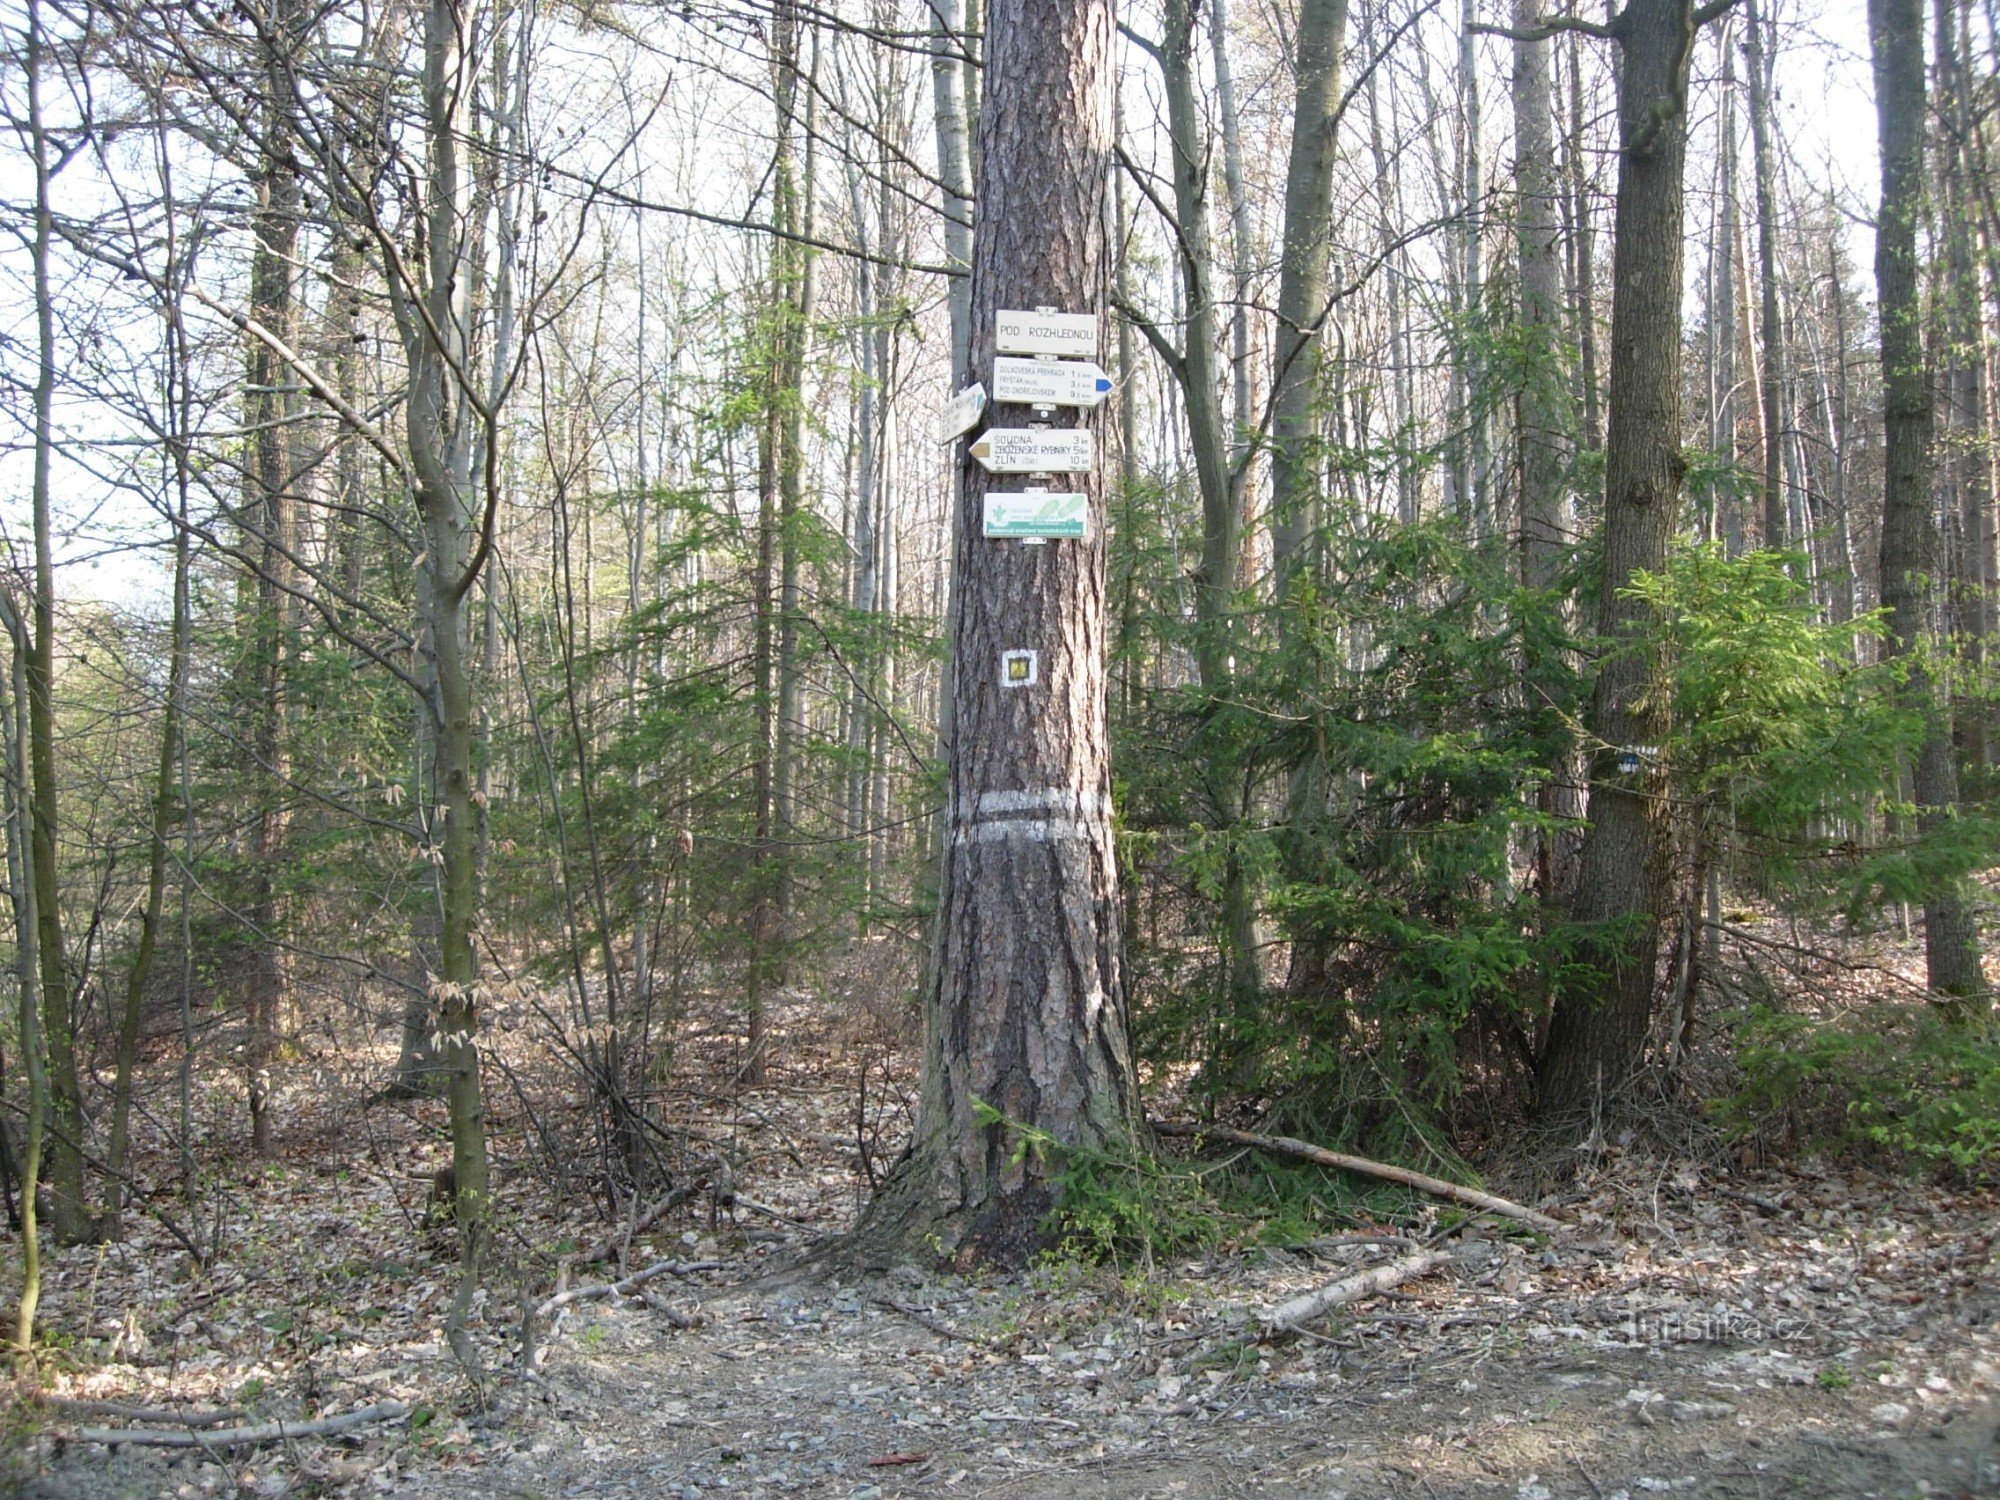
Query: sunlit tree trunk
{"points": [[1025, 1003], [1597, 1034], [1758, 63], [69, 1216], [1912, 549]]}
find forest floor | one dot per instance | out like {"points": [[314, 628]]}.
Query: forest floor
{"points": [[1701, 1329]]}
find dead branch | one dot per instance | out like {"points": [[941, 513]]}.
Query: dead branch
{"points": [[609, 1246], [626, 1287], [1437, 1187], [162, 1416], [242, 1437], [1309, 1305]]}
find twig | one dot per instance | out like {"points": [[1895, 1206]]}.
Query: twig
{"points": [[924, 1320], [242, 1437], [1310, 1305], [626, 1287], [1437, 1187]]}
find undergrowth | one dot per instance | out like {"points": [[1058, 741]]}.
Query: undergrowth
{"points": [[1133, 1209], [1891, 1082]]}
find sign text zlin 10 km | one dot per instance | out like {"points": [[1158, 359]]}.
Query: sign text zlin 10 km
{"points": [[1035, 450]]}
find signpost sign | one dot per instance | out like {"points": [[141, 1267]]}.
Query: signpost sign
{"points": [[961, 413], [1036, 514], [1035, 450], [1074, 334], [1046, 382]]}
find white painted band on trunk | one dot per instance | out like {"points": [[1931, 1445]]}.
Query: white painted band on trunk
{"points": [[1034, 831], [1045, 799]]}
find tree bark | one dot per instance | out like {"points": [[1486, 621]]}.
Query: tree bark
{"points": [[1597, 1035], [69, 1217], [1304, 298], [1543, 418], [270, 509], [1758, 64], [1025, 998], [1912, 549]]}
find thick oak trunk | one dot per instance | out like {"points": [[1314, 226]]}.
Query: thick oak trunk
{"points": [[1598, 1033]]}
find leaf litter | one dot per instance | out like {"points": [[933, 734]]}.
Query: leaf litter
{"points": [[1801, 1330]]}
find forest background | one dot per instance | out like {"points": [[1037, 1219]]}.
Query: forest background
{"points": [[478, 526]]}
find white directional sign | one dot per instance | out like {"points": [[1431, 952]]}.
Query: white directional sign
{"points": [[1035, 514], [1049, 382], [961, 413], [1035, 450], [1074, 334]]}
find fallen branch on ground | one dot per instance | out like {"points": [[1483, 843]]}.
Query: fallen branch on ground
{"points": [[626, 1287], [241, 1437], [1437, 1187], [162, 1416], [611, 1244], [1310, 1305]]}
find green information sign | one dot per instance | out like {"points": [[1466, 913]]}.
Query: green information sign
{"points": [[1036, 513]]}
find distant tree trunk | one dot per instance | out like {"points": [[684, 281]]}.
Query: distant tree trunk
{"points": [[1758, 63], [1603, 1007], [69, 1216], [1584, 238], [1395, 278], [1475, 490], [780, 473], [1912, 550], [1543, 419], [271, 508], [1726, 524], [1304, 297], [1222, 535], [1966, 443], [162, 813], [434, 314], [21, 888], [1242, 374], [1025, 1007], [949, 123]]}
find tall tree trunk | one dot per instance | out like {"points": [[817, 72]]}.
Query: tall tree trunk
{"points": [[1221, 514], [1581, 189], [1965, 445], [780, 473], [949, 123], [1475, 485], [1025, 1002], [69, 1216], [1304, 297], [1603, 1007], [443, 419], [1725, 511], [165, 796], [1395, 279], [1543, 420], [1758, 63], [1912, 550], [270, 506], [1242, 374], [21, 888]]}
